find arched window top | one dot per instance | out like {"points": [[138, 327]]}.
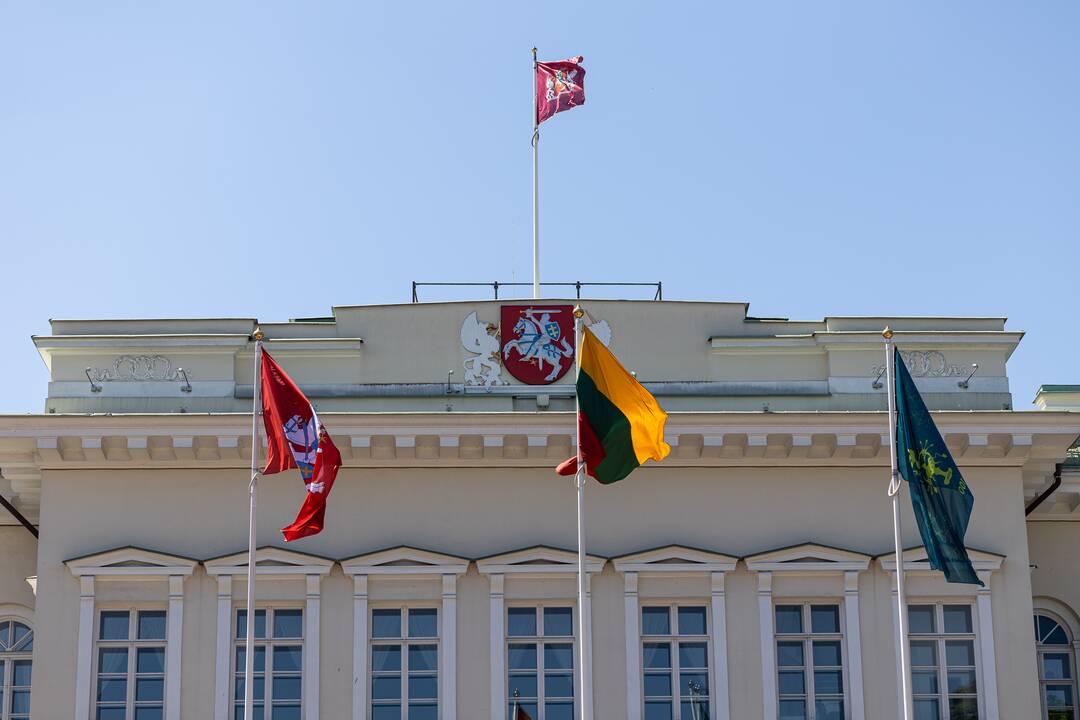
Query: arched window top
{"points": [[1048, 631], [15, 637]]}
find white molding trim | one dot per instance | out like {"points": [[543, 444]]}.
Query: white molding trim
{"points": [[986, 647], [173, 649], [360, 655], [312, 604], [540, 561], [853, 636], [223, 644], [85, 648], [721, 699], [768, 647], [498, 658], [448, 648], [633, 640]]}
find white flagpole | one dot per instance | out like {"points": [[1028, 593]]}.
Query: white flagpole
{"points": [[249, 638], [536, 190], [894, 493], [585, 672]]}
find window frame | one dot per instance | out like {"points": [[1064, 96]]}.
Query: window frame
{"points": [[404, 640], [539, 639], [673, 605], [1069, 649], [940, 638], [807, 638], [133, 643], [268, 642], [8, 658]]}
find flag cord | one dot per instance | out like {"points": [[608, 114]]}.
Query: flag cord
{"points": [[249, 637], [894, 493]]}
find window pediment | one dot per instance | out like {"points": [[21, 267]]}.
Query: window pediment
{"points": [[272, 561], [131, 562], [675, 559], [405, 561], [539, 560], [917, 560], [808, 558]]}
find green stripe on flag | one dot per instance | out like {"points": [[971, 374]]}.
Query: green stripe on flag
{"points": [[611, 427]]}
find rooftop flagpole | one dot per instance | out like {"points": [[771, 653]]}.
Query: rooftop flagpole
{"points": [[894, 493], [249, 637], [584, 672], [536, 189]]}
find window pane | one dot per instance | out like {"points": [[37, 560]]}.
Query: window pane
{"points": [[259, 685], [692, 621], [792, 710], [260, 659], [657, 655], [112, 660], [923, 653], [963, 709], [151, 625], [288, 623], [558, 711], [962, 682], [1059, 696], [149, 689], [386, 658], [1048, 632], [112, 690], [285, 712], [20, 701], [423, 711], [386, 688], [655, 621], [241, 624], [524, 684], [825, 618], [423, 658], [521, 622], [286, 688], [386, 712], [528, 707], [20, 673], [558, 656], [793, 682], [386, 623], [256, 712], [559, 686], [789, 654], [957, 618], [150, 660], [522, 656], [829, 710], [788, 619], [1060, 715], [827, 653], [18, 632], [700, 680], [657, 684], [423, 623], [114, 713], [114, 625], [423, 688], [559, 622], [657, 711], [921, 619], [148, 713], [1056, 666], [288, 658], [693, 655], [927, 709], [924, 682], [828, 682], [959, 653]]}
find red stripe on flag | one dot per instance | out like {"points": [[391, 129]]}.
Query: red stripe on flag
{"points": [[591, 450]]}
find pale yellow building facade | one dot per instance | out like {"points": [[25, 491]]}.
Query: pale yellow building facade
{"points": [[756, 561]]}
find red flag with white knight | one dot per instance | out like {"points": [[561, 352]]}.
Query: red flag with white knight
{"points": [[296, 439], [559, 86]]}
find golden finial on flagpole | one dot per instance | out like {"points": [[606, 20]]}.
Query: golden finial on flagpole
{"points": [[578, 312], [257, 336], [887, 333]]}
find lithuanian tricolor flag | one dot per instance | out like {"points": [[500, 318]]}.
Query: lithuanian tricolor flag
{"points": [[620, 424]]}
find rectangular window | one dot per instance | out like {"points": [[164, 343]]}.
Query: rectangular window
{"points": [[278, 675], [943, 670], [810, 661], [675, 661], [540, 661], [129, 664], [405, 663]]}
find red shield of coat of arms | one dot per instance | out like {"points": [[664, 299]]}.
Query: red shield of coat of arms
{"points": [[537, 342]]}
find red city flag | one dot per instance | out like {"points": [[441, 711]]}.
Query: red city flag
{"points": [[559, 86], [296, 439]]}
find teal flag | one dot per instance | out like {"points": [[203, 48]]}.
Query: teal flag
{"points": [[940, 497]]}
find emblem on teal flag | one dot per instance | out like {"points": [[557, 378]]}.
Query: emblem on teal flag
{"points": [[941, 499]]}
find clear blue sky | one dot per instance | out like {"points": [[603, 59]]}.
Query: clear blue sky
{"points": [[275, 159]]}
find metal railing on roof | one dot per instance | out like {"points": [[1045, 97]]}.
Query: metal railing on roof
{"points": [[658, 295]]}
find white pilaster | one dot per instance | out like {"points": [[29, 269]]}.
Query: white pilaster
{"points": [[498, 658], [222, 661], [173, 648], [85, 647], [360, 641], [633, 641], [448, 669], [588, 645], [854, 644], [720, 702], [986, 648], [896, 640], [311, 647], [768, 647]]}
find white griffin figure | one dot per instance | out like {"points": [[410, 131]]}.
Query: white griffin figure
{"points": [[484, 368]]}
